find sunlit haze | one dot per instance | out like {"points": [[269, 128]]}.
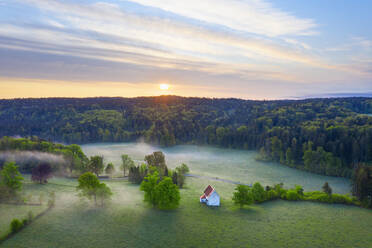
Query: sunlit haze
{"points": [[252, 49]]}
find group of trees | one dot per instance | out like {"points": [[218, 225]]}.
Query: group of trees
{"points": [[90, 187], [155, 161], [246, 195], [160, 184], [160, 193]]}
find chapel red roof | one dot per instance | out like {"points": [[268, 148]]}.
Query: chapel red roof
{"points": [[208, 190]]}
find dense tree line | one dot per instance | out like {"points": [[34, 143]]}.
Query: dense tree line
{"points": [[246, 195]]}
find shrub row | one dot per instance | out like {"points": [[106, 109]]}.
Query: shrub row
{"points": [[258, 194]]}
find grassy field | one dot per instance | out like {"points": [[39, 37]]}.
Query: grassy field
{"points": [[235, 165], [128, 222]]}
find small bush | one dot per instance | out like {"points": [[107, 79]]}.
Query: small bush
{"points": [[15, 225]]}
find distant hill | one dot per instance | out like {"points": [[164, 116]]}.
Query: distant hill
{"points": [[336, 95]]}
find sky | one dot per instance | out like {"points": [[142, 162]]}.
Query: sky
{"points": [[250, 49]]}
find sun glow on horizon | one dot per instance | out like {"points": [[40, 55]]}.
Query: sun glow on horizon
{"points": [[164, 86]]}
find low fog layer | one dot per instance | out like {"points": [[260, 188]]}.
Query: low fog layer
{"points": [[235, 165], [30, 158]]}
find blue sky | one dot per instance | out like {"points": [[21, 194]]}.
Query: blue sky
{"points": [[253, 49]]}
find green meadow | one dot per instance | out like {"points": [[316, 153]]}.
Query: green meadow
{"points": [[127, 221]]}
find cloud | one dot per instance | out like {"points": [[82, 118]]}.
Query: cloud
{"points": [[98, 25], [252, 16]]}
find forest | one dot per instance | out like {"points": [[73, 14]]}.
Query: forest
{"points": [[326, 136]]}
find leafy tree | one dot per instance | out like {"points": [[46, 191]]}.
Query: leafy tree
{"points": [[41, 173], [258, 192], [157, 160], [95, 165], [148, 186], [183, 169], [242, 195], [104, 193], [299, 189], [178, 176], [162, 194], [167, 195], [362, 183], [75, 157], [137, 173], [327, 189], [110, 169], [11, 178], [90, 187], [127, 163]]}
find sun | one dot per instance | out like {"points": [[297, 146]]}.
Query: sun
{"points": [[164, 86]]}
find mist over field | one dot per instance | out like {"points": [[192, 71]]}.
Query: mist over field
{"points": [[231, 164], [31, 158]]}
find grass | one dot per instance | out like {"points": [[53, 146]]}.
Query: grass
{"points": [[128, 222], [9, 212]]}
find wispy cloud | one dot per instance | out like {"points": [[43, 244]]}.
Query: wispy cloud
{"points": [[252, 16]]}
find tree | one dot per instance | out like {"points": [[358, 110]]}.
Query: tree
{"points": [[41, 173], [95, 165], [103, 193], [289, 157], [167, 194], [258, 192], [242, 195], [362, 183], [157, 160], [11, 178], [127, 163], [110, 169], [75, 157], [178, 176], [162, 194], [138, 173], [148, 186], [90, 187], [183, 169], [327, 189]]}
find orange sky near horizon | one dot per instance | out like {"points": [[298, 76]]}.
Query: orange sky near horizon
{"points": [[31, 88]]}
